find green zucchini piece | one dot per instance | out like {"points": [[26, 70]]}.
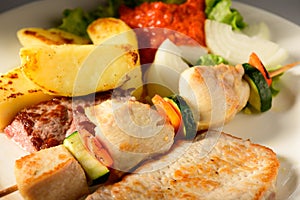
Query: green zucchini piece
{"points": [[189, 124], [93, 168], [260, 99]]}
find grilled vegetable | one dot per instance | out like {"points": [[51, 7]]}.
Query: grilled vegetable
{"points": [[111, 31], [178, 112], [256, 62], [73, 70], [189, 124], [260, 99], [40, 36], [167, 109], [91, 165]]}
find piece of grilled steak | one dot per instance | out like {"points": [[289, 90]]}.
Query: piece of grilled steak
{"points": [[47, 124], [212, 168]]}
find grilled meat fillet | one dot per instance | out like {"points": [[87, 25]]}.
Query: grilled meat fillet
{"points": [[50, 174], [215, 93], [231, 168], [47, 124], [131, 131]]}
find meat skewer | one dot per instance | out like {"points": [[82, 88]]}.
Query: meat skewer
{"points": [[234, 101], [239, 104]]}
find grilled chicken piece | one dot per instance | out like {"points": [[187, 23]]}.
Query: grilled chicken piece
{"points": [[131, 131], [218, 167], [49, 174], [216, 94]]}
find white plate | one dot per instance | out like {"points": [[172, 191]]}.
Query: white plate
{"points": [[278, 129]]}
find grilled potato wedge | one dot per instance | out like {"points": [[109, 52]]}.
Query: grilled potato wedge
{"points": [[111, 31], [17, 92], [75, 70], [115, 31], [40, 36]]}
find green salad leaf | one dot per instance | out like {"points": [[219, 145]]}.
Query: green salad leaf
{"points": [[221, 11], [211, 60], [77, 20], [110, 9]]}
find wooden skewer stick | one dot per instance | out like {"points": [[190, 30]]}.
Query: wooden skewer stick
{"points": [[283, 69], [8, 190]]}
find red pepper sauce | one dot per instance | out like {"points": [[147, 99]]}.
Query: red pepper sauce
{"points": [[154, 22]]}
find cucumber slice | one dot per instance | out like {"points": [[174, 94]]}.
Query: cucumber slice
{"points": [[94, 169], [189, 124], [260, 99]]}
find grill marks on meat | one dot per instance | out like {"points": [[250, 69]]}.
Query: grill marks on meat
{"points": [[232, 169], [41, 126], [47, 124]]}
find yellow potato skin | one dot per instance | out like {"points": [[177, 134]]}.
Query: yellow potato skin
{"points": [[39, 36], [81, 69], [17, 92], [111, 30], [63, 69]]}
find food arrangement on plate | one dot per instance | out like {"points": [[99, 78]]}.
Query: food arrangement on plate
{"points": [[129, 102]]}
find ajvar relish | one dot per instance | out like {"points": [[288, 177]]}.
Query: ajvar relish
{"points": [[153, 22]]}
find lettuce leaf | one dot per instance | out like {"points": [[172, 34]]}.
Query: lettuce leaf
{"points": [[77, 20], [211, 60], [110, 9], [221, 11]]}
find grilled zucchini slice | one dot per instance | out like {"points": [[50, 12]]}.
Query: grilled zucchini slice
{"points": [[94, 169], [260, 99], [189, 124]]}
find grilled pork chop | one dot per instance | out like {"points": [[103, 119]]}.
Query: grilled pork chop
{"points": [[232, 169], [48, 123]]}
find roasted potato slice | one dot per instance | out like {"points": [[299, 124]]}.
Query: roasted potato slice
{"points": [[39, 36], [17, 92], [75, 70], [111, 31]]}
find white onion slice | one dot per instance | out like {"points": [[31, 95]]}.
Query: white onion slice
{"points": [[236, 47], [192, 53], [260, 30], [167, 66]]}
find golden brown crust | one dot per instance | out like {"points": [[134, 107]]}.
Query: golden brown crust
{"points": [[232, 169], [37, 36], [103, 29], [50, 174]]}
